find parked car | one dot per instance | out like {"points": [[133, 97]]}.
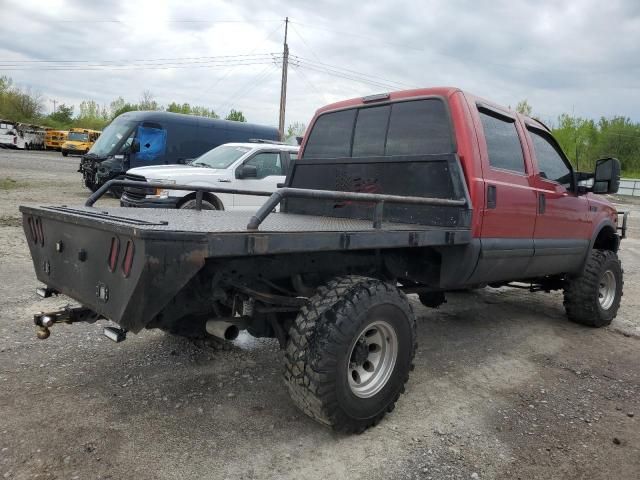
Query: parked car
{"points": [[139, 139], [247, 166], [421, 191]]}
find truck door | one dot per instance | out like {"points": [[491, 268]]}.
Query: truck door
{"points": [[270, 170], [509, 211], [152, 139], [563, 227]]}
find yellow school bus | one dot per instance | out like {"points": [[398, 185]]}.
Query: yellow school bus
{"points": [[79, 141], [54, 139]]}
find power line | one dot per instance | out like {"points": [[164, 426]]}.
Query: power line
{"points": [[347, 71], [211, 57], [361, 78], [156, 66], [146, 64], [247, 87], [212, 22], [228, 72], [311, 84]]}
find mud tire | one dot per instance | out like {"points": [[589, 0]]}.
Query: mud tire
{"points": [[318, 351]]}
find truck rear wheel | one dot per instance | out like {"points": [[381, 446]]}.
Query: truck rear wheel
{"points": [[593, 298], [350, 352]]}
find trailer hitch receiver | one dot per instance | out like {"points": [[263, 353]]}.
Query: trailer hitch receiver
{"points": [[44, 321]]}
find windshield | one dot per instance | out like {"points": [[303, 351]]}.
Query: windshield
{"points": [[79, 137], [114, 139], [220, 157]]}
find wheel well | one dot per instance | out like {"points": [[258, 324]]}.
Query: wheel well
{"points": [[606, 240], [209, 197]]}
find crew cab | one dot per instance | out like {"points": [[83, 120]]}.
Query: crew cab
{"points": [[421, 191], [250, 166]]}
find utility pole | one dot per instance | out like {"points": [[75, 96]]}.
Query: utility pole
{"points": [[54, 105], [283, 83]]}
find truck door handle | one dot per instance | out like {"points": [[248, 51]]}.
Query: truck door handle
{"points": [[492, 194], [224, 180], [542, 203]]}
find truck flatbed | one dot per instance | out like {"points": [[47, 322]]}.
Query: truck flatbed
{"points": [[279, 233]]}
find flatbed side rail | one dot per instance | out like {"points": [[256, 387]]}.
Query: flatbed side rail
{"points": [[288, 192]]}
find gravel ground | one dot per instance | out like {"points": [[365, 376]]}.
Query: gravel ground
{"points": [[504, 387]]}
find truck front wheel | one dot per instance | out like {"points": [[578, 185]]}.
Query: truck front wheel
{"points": [[593, 298], [350, 352]]}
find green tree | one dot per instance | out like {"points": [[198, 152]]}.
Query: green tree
{"points": [[179, 108], [119, 106], [296, 129], [236, 116], [63, 114], [147, 101], [207, 112], [524, 108]]}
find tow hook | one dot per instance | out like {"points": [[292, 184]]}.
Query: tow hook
{"points": [[44, 321]]}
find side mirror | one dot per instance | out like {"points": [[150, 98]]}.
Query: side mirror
{"points": [[135, 146], [247, 171], [606, 178]]}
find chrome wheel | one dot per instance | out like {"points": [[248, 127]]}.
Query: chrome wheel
{"points": [[607, 290], [372, 359]]}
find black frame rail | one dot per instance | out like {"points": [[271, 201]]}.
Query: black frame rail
{"points": [[282, 193]]}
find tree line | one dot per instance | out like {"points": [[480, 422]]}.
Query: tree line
{"points": [[26, 106], [585, 140]]}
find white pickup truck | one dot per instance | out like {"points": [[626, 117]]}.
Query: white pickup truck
{"points": [[244, 166]]}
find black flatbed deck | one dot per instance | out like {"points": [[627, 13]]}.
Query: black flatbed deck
{"points": [[226, 232]]}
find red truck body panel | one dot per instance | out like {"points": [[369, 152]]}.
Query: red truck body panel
{"points": [[517, 214]]}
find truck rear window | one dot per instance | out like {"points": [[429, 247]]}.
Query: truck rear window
{"points": [[416, 127]]}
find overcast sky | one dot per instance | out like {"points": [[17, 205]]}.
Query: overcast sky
{"points": [[581, 56]]}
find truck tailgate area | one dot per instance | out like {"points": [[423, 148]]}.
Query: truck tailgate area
{"points": [[126, 263]]}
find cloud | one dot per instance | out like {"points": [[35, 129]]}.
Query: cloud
{"points": [[573, 56]]}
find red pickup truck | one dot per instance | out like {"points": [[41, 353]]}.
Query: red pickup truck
{"points": [[420, 191]]}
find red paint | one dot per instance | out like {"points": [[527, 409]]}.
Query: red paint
{"points": [[567, 215]]}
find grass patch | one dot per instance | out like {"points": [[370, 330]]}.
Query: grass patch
{"points": [[10, 184], [630, 174]]}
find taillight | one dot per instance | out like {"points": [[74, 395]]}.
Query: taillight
{"points": [[15, 140], [127, 261], [32, 229], [113, 253], [40, 231]]}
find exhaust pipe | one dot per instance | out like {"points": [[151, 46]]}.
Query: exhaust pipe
{"points": [[223, 330]]}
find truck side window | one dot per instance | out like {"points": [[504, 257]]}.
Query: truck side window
{"points": [[331, 135], [550, 162], [267, 164], [503, 143]]}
